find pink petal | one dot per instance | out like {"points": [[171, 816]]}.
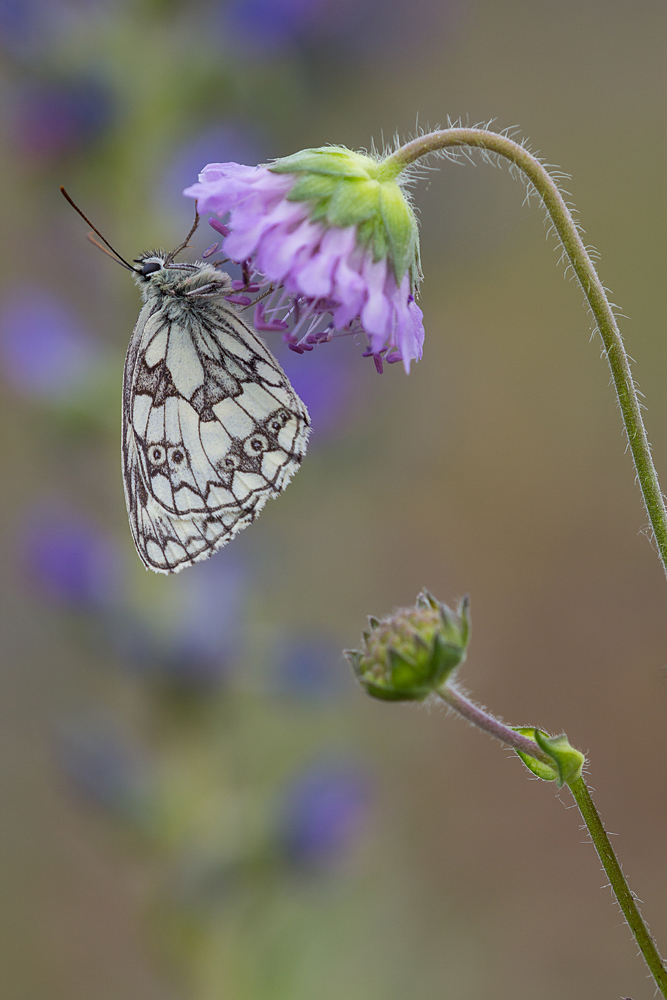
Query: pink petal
{"points": [[278, 248], [349, 292], [224, 186], [376, 313], [316, 278], [249, 227]]}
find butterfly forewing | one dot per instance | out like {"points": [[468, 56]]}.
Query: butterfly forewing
{"points": [[211, 427]]}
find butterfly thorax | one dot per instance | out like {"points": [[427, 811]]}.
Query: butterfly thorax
{"points": [[160, 277]]}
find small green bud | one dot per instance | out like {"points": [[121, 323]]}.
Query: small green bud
{"points": [[353, 189], [411, 653], [567, 762]]}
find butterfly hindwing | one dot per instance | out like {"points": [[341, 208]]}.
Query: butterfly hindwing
{"points": [[211, 429]]}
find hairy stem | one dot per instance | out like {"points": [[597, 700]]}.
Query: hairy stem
{"points": [[625, 898], [593, 289], [489, 724], [494, 727]]}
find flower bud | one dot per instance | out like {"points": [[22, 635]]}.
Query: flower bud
{"points": [[411, 653], [567, 762]]}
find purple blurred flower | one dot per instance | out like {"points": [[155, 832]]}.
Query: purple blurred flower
{"points": [[344, 28], [54, 117], [70, 562], [324, 811], [230, 140], [17, 24], [329, 385], [311, 667], [270, 25], [31, 28], [194, 648], [103, 768], [43, 348], [332, 278], [207, 627]]}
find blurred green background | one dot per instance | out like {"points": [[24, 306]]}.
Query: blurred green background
{"points": [[196, 801]]}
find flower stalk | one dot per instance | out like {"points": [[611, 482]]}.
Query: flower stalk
{"points": [[489, 724], [415, 654], [625, 897], [524, 745], [592, 287]]}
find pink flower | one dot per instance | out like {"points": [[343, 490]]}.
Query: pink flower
{"points": [[330, 278]]}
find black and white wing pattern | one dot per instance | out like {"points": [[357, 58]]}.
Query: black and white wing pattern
{"points": [[211, 429]]}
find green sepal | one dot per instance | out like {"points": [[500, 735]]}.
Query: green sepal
{"points": [[393, 694], [353, 201], [405, 676], [463, 611], [372, 233], [318, 210], [400, 225], [338, 161], [353, 657], [381, 690], [446, 656], [544, 771], [568, 762], [313, 186]]}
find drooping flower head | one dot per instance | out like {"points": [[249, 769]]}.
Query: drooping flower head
{"points": [[335, 235]]}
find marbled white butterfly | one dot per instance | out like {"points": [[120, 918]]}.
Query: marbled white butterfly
{"points": [[211, 424]]}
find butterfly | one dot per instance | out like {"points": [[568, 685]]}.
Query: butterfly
{"points": [[211, 426]]}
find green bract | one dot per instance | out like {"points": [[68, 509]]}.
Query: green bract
{"points": [[352, 189], [412, 653], [567, 762]]}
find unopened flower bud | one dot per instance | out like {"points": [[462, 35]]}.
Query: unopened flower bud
{"points": [[567, 762], [410, 654]]}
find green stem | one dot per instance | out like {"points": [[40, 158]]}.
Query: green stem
{"points": [[494, 727], [625, 898], [593, 289]]}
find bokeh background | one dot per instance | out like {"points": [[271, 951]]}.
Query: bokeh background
{"points": [[197, 803]]}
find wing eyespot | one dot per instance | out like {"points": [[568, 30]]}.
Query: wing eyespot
{"points": [[255, 445], [157, 455], [183, 443], [278, 421]]}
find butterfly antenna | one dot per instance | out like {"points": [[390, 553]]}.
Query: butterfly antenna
{"points": [[117, 256], [174, 253], [113, 256]]}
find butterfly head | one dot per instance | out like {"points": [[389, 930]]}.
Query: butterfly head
{"points": [[149, 265], [157, 273]]}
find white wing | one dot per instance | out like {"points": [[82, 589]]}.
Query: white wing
{"points": [[211, 429]]}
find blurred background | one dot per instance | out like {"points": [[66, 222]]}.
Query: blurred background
{"points": [[197, 803]]}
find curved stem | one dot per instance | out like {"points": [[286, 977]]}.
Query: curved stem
{"points": [[489, 724], [593, 289], [494, 727], [625, 898]]}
